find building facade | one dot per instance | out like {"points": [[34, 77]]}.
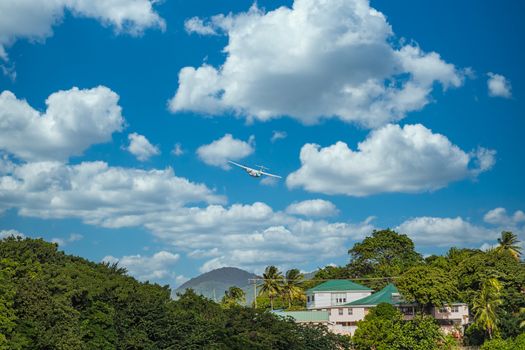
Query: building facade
{"points": [[343, 303]]}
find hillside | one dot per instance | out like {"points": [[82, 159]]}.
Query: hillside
{"points": [[50, 300], [213, 284]]}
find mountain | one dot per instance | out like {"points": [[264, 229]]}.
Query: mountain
{"points": [[213, 284]]}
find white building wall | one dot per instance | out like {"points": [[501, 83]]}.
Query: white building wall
{"points": [[321, 300], [350, 314], [356, 296], [457, 312], [327, 299]]}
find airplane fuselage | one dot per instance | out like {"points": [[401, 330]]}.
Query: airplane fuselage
{"points": [[253, 172]]}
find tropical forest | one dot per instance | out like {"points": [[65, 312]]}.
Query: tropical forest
{"points": [[51, 300]]}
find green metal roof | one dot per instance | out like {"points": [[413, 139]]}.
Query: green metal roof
{"points": [[305, 316], [383, 296], [338, 285]]}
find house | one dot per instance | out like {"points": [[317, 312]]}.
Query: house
{"points": [[346, 302]]}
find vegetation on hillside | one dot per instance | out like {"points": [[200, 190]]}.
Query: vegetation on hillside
{"points": [[50, 300], [491, 282]]}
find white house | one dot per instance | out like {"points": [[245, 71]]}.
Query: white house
{"points": [[342, 303], [334, 293]]}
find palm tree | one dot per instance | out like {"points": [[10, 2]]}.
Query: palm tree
{"points": [[291, 289], [508, 243], [272, 283], [485, 305], [233, 296]]}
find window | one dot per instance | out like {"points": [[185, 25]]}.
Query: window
{"points": [[308, 298], [443, 310], [340, 312], [338, 298], [313, 298], [350, 311], [455, 308]]}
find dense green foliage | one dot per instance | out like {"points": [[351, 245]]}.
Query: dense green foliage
{"points": [[428, 286], [233, 296], [50, 300], [384, 329], [458, 275], [384, 254], [509, 344]]}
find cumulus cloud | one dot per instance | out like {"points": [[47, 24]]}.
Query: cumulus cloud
{"points": [[34, 20], [197, 25], [157, 267], [498, 86], [11, 233], [96, 192], [74, 120], [444, 232], [313, 208], [392, 159], [317, 59], [278, 135], [252, 236], [226, 148], [141, 148], [499, 216]]}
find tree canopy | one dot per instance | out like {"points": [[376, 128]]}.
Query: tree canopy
{"points": [[385, 253], [50, 300]]}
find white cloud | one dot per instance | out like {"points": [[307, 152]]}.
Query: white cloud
{"points": [[318, 59], [11, 233], [157, 267], [499, 86], [252, 236], [444, 232], [141, 148], [278, 135], [391, 159], [74, 237], [177, 150], [313, 207], [74, 120], [269, 181], [34, 20], [226, 148], [196, 25], [96, 193], [499, 216]]}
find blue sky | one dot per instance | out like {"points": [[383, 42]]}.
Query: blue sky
{"points": [[406, 115]]}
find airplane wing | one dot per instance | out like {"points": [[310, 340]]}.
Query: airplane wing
{"points": [[239, 165], [272, 175]]}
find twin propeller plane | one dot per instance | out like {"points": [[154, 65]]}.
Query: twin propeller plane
{"points": [[255, 172]]}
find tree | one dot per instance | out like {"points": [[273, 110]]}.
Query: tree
{"points": [[381, 329], [522, 312], [233, 296], [272, 283], [384, 254], [508, 244], [428, 286], [485, 306], [291, 289], [384, 329]]}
